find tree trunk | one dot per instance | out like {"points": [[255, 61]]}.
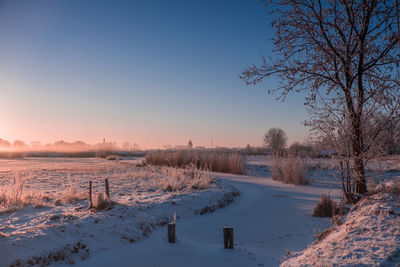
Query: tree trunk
{"points": [[357, 140], [358, 158], [359, 174]]}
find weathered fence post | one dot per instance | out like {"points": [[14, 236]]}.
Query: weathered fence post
{"points": [[90, 195], [171, 232], [228, 237], [107, 190]]}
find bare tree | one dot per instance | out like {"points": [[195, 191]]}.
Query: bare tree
{"points": [[276, 140], [18, 144], [342, 53], [4, 143]]}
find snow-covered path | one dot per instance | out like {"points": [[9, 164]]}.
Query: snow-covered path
{"points": [[268, 218]]}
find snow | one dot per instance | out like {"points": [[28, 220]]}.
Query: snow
{"points": [[270, 219], [35, 232], [146, 198], [369, 235]]}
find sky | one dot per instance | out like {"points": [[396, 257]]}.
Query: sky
{"points": [[154, 73]]}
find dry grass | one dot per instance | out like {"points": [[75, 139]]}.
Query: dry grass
{"points": [[214, 161], [172, 179], [64, 186], [291, 170], [71, 193], [15, 196], [325, 208]]}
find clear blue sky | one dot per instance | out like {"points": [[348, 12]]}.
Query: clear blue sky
{"points": [[151, 72]]}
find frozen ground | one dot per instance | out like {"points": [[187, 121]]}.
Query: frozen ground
{"points": [[44, 216], [369, 235], [269, 218]]}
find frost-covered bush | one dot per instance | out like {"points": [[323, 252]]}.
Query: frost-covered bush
{"points": [[291, 170], [173, 179], [226, 162]]}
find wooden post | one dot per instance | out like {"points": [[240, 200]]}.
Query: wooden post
{"points": [[171, 232], [90, 195], [107, 190], [228, 237]]}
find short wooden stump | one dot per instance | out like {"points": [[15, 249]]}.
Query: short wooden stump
{"points": [[228, 237], [171, 232]]}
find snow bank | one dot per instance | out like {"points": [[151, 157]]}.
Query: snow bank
{"points": [[368, 235]]}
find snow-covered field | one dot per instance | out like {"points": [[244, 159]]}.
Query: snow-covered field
{"points": [[49, 221], [44, 182], [44, 217]]}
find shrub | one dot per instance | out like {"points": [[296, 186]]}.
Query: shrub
{"points": [[291, 170], [325, 208], [226, 162]]}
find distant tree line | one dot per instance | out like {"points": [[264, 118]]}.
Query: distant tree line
{"points": [[275, 143], [61, 145]]}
